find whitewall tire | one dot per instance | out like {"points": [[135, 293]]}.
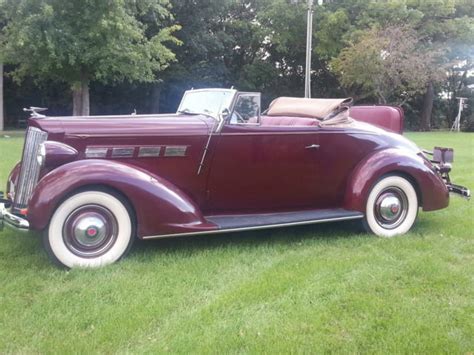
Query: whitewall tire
{"points": [[392, 207], [89, 229]]}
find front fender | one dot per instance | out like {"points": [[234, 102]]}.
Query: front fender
{"points": [[13, 178], [160, 207], [431, 189]]}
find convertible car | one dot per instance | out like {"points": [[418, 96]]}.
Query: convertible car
{"points": [[95, 184]]}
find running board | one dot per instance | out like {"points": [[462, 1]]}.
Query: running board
{"points": [[247, 222]]}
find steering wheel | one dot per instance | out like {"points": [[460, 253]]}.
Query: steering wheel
{"points": [[239, 118]]}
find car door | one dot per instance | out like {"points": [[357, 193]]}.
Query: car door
{"points": [[263, 168]]}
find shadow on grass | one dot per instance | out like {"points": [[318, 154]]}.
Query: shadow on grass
{"points": [[26, 249], [323, 233]]}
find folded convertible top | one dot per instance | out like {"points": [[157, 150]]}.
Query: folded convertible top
{"points": [[302, 107]]}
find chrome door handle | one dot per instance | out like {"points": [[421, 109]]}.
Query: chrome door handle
{"points": [[312, 146]]}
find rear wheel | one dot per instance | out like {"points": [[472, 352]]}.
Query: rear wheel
{"points": [[392, 207], [89, 229]]}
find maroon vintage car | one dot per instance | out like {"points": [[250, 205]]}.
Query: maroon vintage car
{"points": [[94, 184]]}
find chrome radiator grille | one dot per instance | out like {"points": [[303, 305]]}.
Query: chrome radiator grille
{"points": [[30, 168]]}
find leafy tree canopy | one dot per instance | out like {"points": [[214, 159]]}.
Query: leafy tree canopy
{"points": [[250, 44], [87, 40], [382, 64]]}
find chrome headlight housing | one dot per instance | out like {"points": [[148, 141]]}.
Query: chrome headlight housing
{"points": [[41, 154], [51, 154]]}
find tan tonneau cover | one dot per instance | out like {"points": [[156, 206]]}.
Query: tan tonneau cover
{"points": [[302, 107]]}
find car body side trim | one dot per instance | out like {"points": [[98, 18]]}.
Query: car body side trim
{"points": [[122, 135], [228, 230], [316, 130], [267, 133]]}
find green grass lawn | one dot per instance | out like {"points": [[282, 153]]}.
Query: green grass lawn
{"points": [[315, 288]]}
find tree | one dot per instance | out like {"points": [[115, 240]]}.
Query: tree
{"points": [[200, 59], [221, 41], [2, 109], [458, 83], [254, 45], [448, 24], [382, 63], [2, 118], [87, 40]]}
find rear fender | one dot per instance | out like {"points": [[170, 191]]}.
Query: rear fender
{"points": [[432, 192], [160, 207]]}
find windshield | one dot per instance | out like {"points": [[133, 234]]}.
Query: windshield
{"points": [[209, 102]]}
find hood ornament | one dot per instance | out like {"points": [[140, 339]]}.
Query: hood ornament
{"points": [[35, 111]]}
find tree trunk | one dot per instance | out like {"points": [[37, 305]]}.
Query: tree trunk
{"points": [[86, 107], [2, 117], [155, 99], [80, 98], [76, 100], [427, 108], [381, 98]]}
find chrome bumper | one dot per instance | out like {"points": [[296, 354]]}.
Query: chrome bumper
{"points": [[459, 190], [12, 220], [442, 159]]}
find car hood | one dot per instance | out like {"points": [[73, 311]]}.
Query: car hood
{"points": [[139, 125]]}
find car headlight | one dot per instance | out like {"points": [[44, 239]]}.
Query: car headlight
{"points": [[41, 155]]}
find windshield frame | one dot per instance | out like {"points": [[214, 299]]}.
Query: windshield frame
{"points": [[217, 115]]}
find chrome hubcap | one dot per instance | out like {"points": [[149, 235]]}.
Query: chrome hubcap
{"points": [[90, 231], [391, 208]]}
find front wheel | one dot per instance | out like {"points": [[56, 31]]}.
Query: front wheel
{"points": [[89, 229], [392, 207]]}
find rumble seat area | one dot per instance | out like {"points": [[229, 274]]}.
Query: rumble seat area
{"points": [[287, 121]]}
